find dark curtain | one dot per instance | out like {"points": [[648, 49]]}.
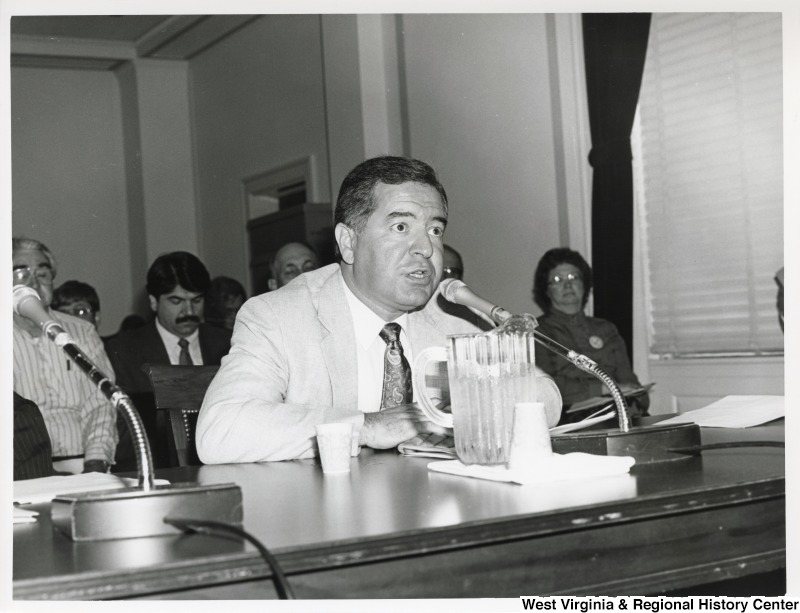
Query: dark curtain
{"points": [[614, 48]]}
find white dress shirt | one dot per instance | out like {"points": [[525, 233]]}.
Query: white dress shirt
{"points": [[170, 341], [370, 349]]}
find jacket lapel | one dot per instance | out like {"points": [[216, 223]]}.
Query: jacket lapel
{"points": [[153, 349], [338, 342]]}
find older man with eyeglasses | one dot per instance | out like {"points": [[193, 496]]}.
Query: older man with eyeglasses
{"points": [[81, 422]]}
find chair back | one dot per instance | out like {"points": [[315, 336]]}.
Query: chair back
{"points": [[179, 390]]}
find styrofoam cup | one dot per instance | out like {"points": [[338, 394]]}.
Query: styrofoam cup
{"points": [[335, 444]]}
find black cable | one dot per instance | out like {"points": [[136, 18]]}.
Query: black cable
{"points": [[211, 527], [711, 446]]}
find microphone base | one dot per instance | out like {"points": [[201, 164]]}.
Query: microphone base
{"points": [[134, 513], [646, 444]]}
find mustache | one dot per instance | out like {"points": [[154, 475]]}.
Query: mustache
{"points": [[187, 318]]}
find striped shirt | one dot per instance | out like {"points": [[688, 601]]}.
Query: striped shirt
{"points": [[79, 418]]}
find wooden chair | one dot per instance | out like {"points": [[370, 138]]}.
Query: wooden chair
{"points": [[179, 390]]}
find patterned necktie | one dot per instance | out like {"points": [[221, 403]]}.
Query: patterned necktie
{"points": [[396, 371], [184, 359]]}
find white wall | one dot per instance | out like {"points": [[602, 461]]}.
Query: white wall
{"points": [[257, 103], [68, 178], [479, 110]]}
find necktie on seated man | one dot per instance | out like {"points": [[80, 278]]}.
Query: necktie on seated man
{"points": [[396, 370], [184, 359]]}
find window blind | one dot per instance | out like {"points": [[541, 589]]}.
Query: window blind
{"points": [[710, 181]]}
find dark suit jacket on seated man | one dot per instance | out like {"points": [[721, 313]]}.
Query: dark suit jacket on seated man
{"points": [[311, 352], [33, 454], [176, 284]]}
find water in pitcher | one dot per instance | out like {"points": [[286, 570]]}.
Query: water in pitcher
{"points": [[488, 375], [484, 419]]}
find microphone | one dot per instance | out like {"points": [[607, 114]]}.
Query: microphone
{"points": [[116, 514], [457, 292], [27, 304]]}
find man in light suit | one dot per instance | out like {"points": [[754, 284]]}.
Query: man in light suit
{"points": [[176, 284], [312, 352]]}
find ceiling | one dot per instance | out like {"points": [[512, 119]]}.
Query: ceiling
{"points": [[116, 28], [119, 37]]}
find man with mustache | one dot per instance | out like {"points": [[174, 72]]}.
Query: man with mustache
{"points": [[176, 285], [331, 345]]}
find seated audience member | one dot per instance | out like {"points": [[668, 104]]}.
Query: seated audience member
{"points": [[176, 284], [779, 299], [290, 261], [79, 418], [453, 268], [561, 288], [224, 298], [33, 454], [78, 299], [453, 264], [337, 344]]}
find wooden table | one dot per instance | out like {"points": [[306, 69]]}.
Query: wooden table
{"points": [[392, 528]]}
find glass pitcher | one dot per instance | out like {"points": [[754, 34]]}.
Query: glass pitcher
{"points": [[488, 374]]}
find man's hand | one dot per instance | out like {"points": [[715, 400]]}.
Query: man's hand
{"points": [[95, 466], [390, 427]]}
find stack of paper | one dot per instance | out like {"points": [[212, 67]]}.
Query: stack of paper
{"points": [[24, 516], [429, 446]]}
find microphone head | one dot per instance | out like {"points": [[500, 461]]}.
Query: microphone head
{"points": [[449, 287], [21, 294]]}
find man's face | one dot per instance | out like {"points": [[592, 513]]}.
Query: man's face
{"points": [[453, 268], [83, 310], [179, 311], [41, 273], [397, 258], [291, 261]]}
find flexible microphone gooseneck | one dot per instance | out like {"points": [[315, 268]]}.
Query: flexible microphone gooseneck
{"points": [[125, 513], [457, 292]]}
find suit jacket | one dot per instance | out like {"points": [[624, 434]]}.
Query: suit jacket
{"points": [[129, 351], [293, 365], [33, 455]]}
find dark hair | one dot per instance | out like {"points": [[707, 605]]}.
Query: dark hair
{"points": [[71, 292], [551, 259], [455, 253], [177, 268], [131, 322], [356, 203], [220, 290]]}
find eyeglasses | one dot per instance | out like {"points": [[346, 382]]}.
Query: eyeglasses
{"points": [[452, 273], [559, 280], [23, 275], [81, 311]]}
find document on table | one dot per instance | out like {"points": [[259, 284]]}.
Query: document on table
{"points": [[734, 412], [24, 516], [32, 491]]}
